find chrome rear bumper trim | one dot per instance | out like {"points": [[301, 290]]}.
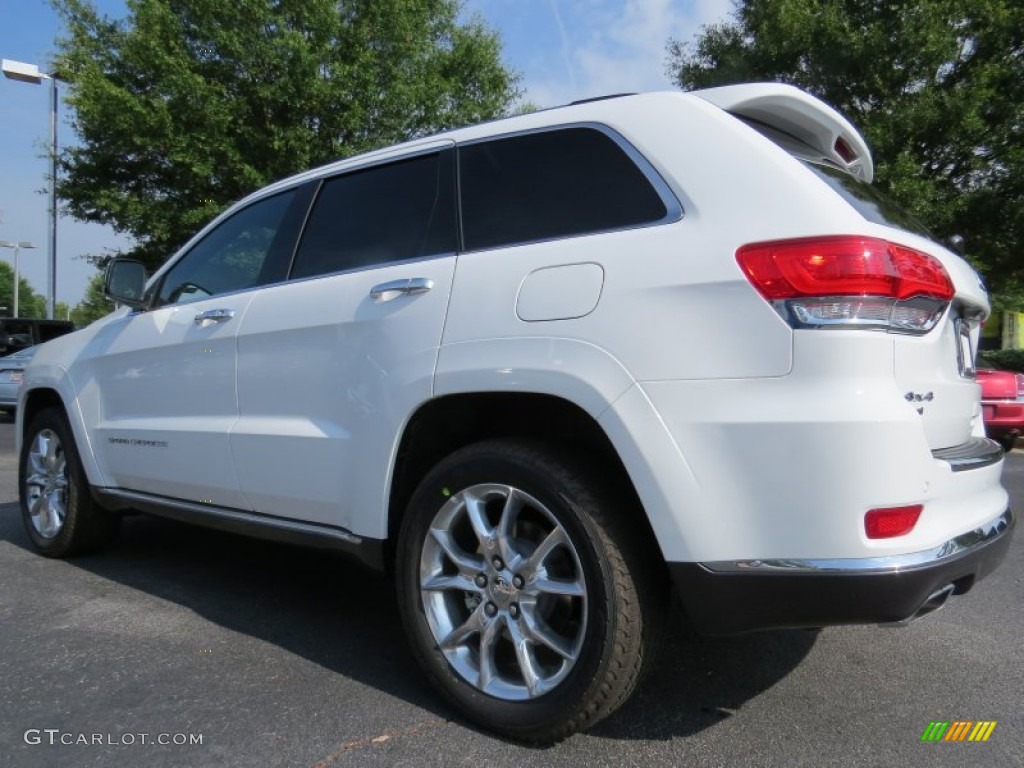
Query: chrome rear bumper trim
{"points": [[965, 542], [975, 453]]}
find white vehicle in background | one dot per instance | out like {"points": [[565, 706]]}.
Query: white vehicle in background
{"points": [[543, 368], [12, 369]]}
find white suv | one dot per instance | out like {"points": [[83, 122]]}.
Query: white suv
{"points": [[543, 368]]}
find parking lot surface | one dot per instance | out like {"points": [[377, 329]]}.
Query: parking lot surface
{"points": [[182, 646]]}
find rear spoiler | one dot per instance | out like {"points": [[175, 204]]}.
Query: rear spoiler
{"points": [[790, 110]]}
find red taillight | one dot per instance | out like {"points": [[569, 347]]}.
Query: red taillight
{"points": [[843, 266], [891, 521], [849, 282], [1020, 387]]}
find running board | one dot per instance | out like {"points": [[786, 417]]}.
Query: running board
{"points": [[370, 552]]}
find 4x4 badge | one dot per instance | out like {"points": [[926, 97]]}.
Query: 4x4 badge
{"points": [[914, 397]]}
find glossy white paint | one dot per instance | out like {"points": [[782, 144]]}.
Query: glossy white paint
{"points": [[327, 376], [744, 438], [157, 392], [561, 292], [799, 114]]}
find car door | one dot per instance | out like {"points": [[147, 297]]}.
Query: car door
{"points": [[331, 363], [160, 384]]}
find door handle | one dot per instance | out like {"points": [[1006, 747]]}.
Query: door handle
{"points": [[211, 316], [405, 287]]}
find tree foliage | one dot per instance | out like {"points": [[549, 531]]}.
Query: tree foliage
{"points": [[187, 105], [93, 305], [30, 303], [936, 86]]}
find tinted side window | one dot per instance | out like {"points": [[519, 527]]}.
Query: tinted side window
{"points": [[232, 256], [552, 184], [387, 213]]}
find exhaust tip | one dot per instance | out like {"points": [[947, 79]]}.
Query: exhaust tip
{"points": [[932, 603]]}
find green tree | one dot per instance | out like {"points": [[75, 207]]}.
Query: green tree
{"points": [[93, 305], [936, 86], [30, 303], [186, 105]]}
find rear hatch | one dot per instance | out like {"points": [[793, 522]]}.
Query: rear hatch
{"points": [[933, 360], [935, 371]]}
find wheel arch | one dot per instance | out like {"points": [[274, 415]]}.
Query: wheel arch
{"points": [[443, 425], [37, 400], [40, 398]]}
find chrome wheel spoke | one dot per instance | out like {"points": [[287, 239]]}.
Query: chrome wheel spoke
{"points": [[478, 518], [51, 446], [558, 587], [464, 561], [488, 640], [464, 631], [524, 656], [535, 630], [35, 509], [55, 513], [441, 582], [35, 461], [509, 512], [557, 538]]}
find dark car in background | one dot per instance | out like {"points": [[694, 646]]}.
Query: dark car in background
{"points": [[1002, 403], [17, 333]]}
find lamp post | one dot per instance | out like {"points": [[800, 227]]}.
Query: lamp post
{"points": [[17, 245], [29, 73]]}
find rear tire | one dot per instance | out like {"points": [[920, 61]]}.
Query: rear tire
{"points": [[57, 508], [528, 596]]}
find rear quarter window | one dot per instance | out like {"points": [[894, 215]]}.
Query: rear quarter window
{"points": [[551, 184]]}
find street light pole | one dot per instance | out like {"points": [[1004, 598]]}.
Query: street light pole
{"points": [[51, 240], [29, 73], [17, 245]]}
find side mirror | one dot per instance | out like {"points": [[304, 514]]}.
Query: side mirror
{"points": [[956, 244], [125, 282]]}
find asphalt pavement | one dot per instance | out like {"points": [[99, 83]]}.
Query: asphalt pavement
{"points": [[182, 646]]}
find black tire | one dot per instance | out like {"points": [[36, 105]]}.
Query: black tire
{"points": [[86, 526], [618, 619]]}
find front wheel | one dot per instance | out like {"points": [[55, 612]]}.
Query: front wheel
{"points": [[57, 508], [525, 589]]}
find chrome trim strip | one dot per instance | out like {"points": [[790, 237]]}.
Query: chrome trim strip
{"points": [[955, 547], [227, 514], [975, 453]]}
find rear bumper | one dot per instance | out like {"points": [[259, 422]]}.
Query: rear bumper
{"points": [[1002, 416], [725, 598]]}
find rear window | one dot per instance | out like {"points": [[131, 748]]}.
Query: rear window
{"points": [[551, 184], [868, 201]]}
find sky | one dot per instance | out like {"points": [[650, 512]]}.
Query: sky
{"points": [[563, 49]]}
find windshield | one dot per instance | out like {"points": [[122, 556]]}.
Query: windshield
{"points": [[868, 201]]}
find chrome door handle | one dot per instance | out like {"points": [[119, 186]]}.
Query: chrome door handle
{"points": [[395, 288], [211, 316]]}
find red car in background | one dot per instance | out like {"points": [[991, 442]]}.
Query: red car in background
{"points": [[1002, 404]]}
